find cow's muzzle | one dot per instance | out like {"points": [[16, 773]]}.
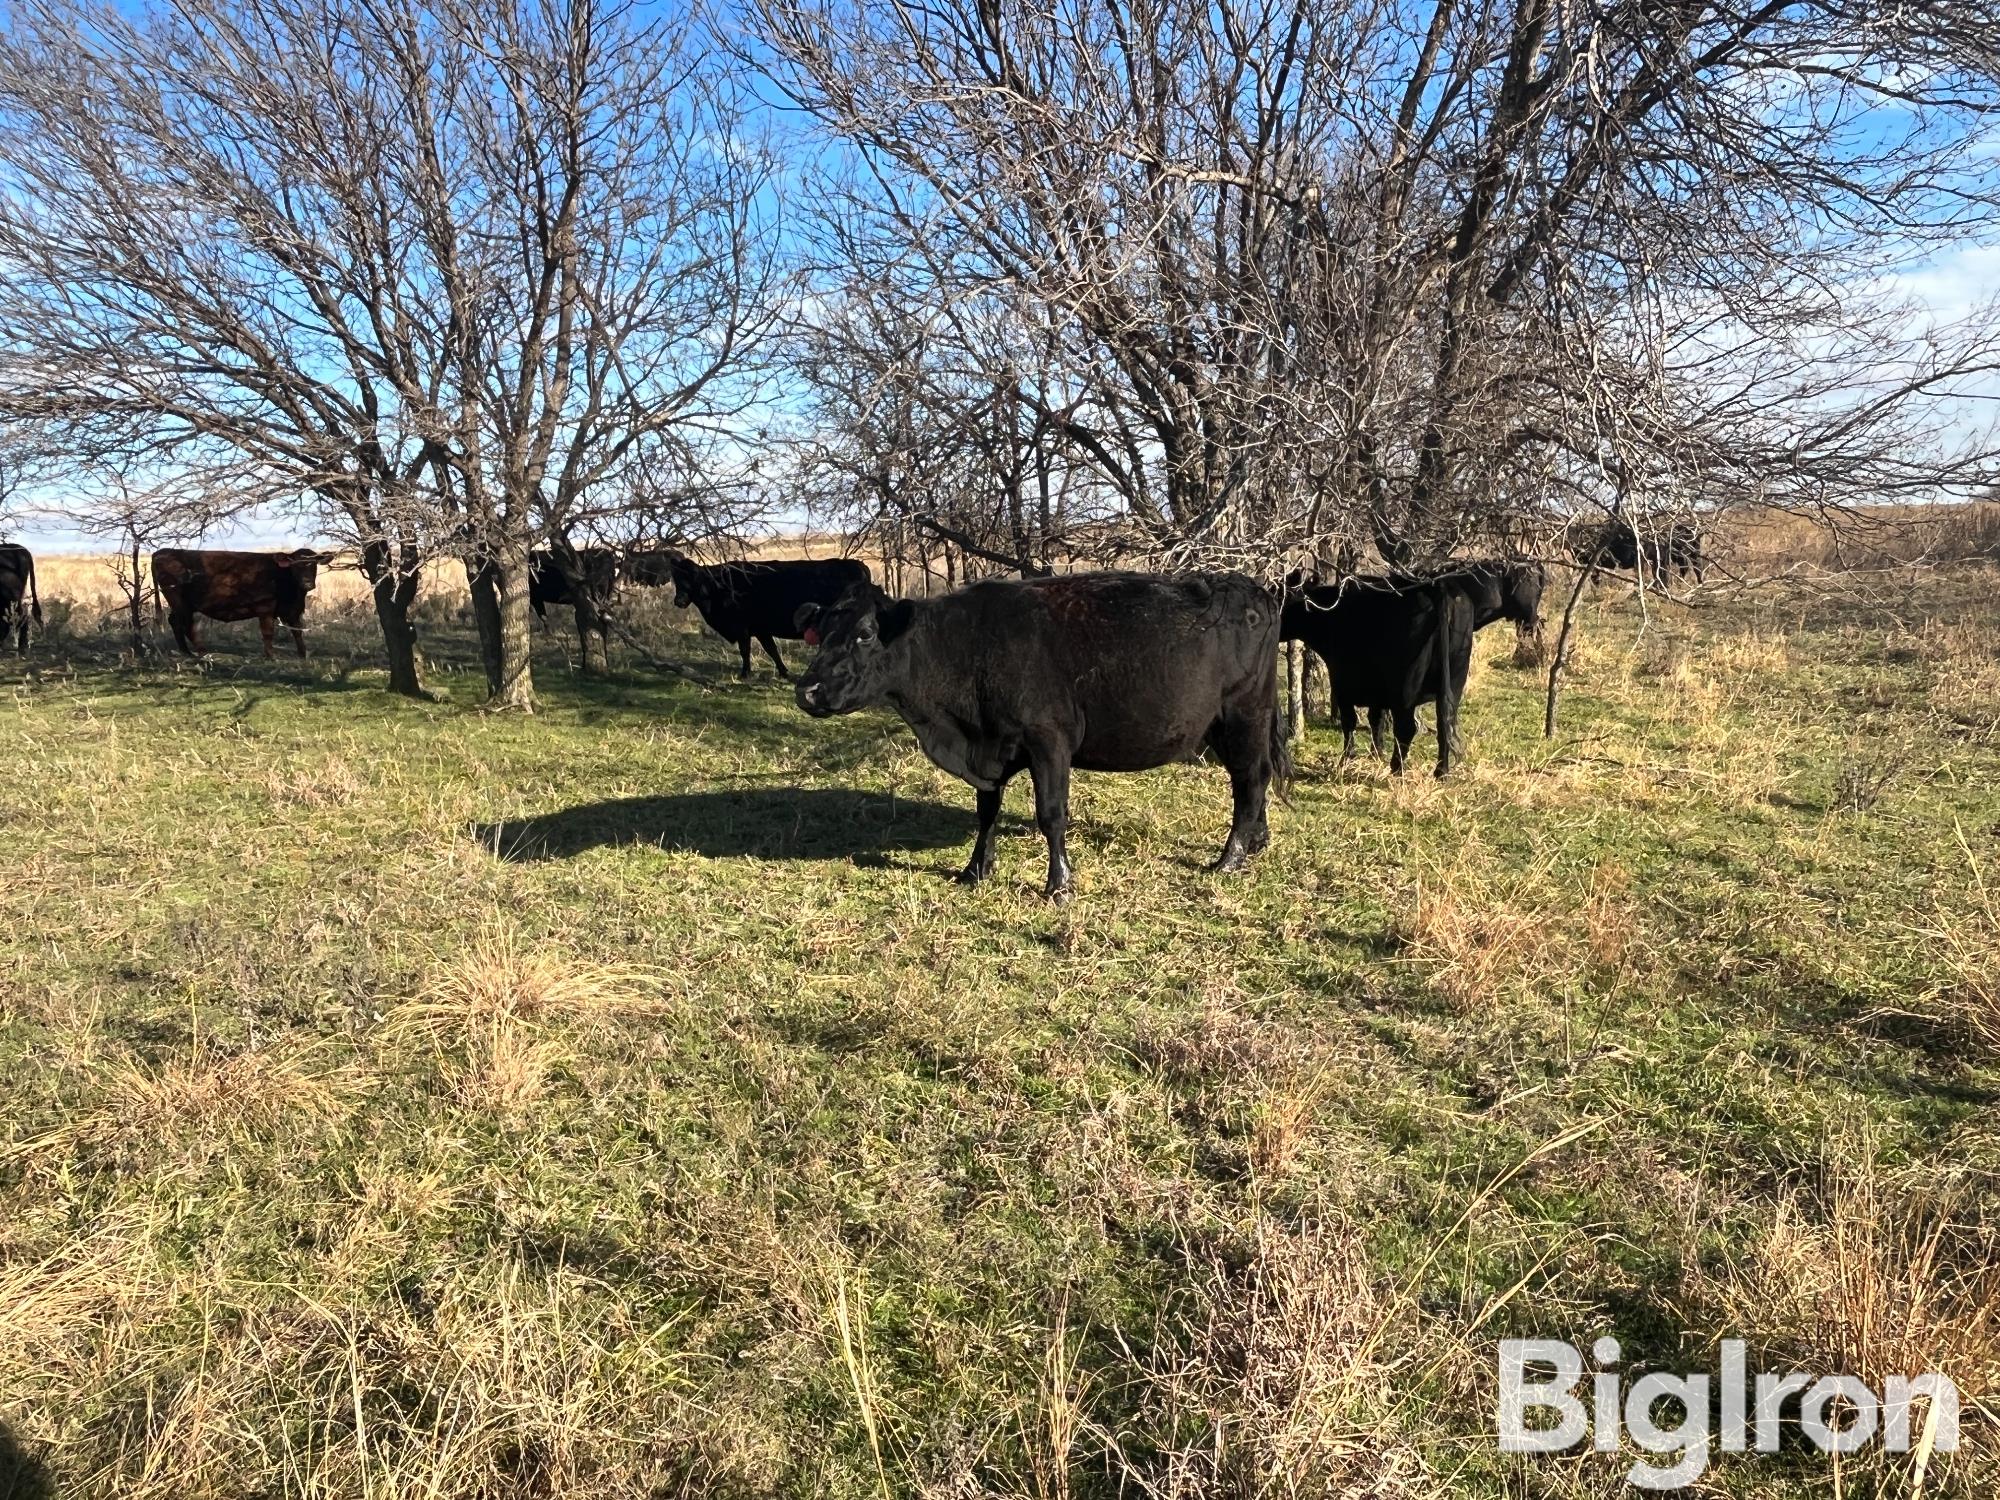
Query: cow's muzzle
{"points": [[812, 698]]}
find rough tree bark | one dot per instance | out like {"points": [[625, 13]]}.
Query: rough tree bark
{"points": [[498, 578]]}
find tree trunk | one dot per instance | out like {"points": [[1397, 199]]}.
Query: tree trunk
{"points": [[138, 602], [499, 581], [1295, 694], [1561, 657], [395, 590], [591, 633]]}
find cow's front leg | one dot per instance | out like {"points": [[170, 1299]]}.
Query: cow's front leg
{"points": [[1050, 770], [1406, 731], [777, 661], [743, 645], [1377, 722], [980, 865], [299, 640], [267, 627]]}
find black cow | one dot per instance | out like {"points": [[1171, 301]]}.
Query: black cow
{"points": [[549, 584], [1390, 645], [1493, 589], [18, 600], [1653, 555], [750, 601], [1092, 671], [236, 586]]}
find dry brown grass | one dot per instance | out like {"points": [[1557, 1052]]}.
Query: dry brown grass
{"points": [[1963, 945], [206, 1093], [1867, 538], [1473, 934], [1276, 1383], [1875, 1274], [493, 1014]]}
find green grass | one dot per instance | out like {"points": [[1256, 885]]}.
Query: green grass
{"points": [[408, 1101]]}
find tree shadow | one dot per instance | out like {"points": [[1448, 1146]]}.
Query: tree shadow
{"points": [[736, 823], [22, 1475]]}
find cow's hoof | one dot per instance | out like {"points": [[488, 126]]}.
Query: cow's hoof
{"points": [[1059, 894], [1230, 860], [974, 874]]}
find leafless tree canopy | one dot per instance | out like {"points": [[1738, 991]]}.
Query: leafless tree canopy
{"points": [[1299, 276]]}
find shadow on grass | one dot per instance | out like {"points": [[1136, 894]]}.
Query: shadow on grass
{"points": [[751, 822], [22, 1475]]}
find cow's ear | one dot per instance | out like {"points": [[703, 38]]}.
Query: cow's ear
{"points": [[805, 620], [895, 618]]}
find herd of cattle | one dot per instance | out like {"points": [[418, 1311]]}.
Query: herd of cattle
{"points": [[1108, 671]]}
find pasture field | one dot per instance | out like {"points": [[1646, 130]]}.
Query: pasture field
{"points": [[405, 1101]]}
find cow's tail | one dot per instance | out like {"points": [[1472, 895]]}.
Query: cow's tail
{"points": [[1450, 693], [1281, 752], [34, 599]]}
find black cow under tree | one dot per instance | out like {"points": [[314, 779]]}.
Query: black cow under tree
{"points": [[1389, 649], [749, 601], [1091, 671], [18, 599]]}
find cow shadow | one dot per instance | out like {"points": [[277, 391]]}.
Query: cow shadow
{"points": [[736, 823], [22, 1475]]}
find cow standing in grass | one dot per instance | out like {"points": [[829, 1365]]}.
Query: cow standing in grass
{"points": [[1093, 672], [1492, 588], [1656, 556], [587, 584], [227, 586], [18, 600], [1388, 648], [748, 601]]}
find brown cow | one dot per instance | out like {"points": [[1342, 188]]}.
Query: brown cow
{"points": [[236, 586]]}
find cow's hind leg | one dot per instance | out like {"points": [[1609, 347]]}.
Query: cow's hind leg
{"points": [[980, 865], [771, 647], [1349, 722], [1245, 748], [1049, 767], [1378, 720]]}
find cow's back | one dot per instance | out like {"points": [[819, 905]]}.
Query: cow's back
{"points": [[226, 586], [1132, 669], [766, 596]]}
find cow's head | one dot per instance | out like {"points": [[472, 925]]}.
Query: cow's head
{"points": [[301, 567], [687, 579], [856, 636], [1521, 588]]}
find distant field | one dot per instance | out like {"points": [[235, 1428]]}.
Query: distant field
{"points": [[1746, 546], [623, 1101]]}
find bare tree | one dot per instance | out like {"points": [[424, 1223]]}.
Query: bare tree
{"points": [[1332, 275], [209, 263], [442, 267]]}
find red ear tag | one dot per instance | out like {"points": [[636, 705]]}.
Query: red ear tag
{"points": [[812, 636]]}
